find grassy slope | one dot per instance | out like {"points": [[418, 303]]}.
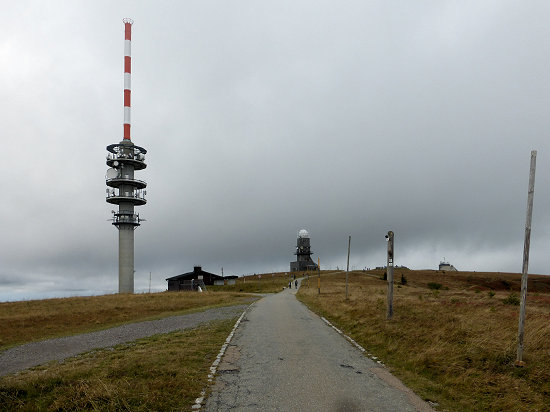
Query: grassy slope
{"points": [[164, 372], [34, 320], [160, 373], [264, 283], [456, 345]]}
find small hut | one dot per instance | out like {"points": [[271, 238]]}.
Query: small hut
{"points": [[191, 280]]}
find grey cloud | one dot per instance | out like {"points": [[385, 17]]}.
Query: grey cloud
{"points": [[264, 118]]}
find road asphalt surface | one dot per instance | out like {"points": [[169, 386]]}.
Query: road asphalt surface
{"points": [[283, 357]]}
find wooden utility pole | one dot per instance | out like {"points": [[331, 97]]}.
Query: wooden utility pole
{"points": [[526, 244], [319, 277], [389, 275], [347, 268]]}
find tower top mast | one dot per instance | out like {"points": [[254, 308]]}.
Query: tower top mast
{"points": [[127, 75]]}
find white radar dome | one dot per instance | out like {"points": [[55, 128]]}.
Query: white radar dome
{"points": [[303, 233]]}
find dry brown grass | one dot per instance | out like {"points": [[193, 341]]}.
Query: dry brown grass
{"points": [[456, 345], [161, 373], [34, 320], [260, 283]]}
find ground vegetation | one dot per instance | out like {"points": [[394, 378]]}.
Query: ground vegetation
{"points": [[454, 344]]}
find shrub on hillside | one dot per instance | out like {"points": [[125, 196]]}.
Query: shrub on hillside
{"points": [[435, 286], [513, 299]]}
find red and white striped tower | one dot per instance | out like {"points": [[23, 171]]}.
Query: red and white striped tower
{"points": [[127, 74], [123, 189]]}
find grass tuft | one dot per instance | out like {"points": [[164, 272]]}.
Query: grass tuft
{"points": [[435, 285], [512, 299]]}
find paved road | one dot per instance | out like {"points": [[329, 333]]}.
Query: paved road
{"points": [[283, 357], [37, 353]]}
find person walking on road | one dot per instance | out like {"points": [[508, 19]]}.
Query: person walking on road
{"points": [[296, 283]]}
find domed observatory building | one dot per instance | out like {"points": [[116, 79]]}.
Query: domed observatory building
{"points": [[303, 254]]}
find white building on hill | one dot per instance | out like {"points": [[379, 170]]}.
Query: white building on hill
{"points": [[446, 266]]}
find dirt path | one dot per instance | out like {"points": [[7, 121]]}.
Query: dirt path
{"points": [[36, 353], [283, 357]]}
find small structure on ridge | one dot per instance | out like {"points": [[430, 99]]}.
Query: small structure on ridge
{"points": [[303, 254], [192, 280], [447, 266]]}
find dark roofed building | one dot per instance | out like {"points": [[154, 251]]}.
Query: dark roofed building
{"points": [[190, 280]]}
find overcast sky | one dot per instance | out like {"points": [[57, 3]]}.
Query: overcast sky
{"points": [[262, 118]]}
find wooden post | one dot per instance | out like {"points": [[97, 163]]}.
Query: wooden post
{"points": [[319, 277], [347, 268], [526, 244], [389, 274]]}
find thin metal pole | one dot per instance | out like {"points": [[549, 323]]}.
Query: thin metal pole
{"points": [[149, 282], [526, 244], [347, 268], [389, 271]]}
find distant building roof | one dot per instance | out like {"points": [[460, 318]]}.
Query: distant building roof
{"points": [[197, 270], [446, 266]]}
